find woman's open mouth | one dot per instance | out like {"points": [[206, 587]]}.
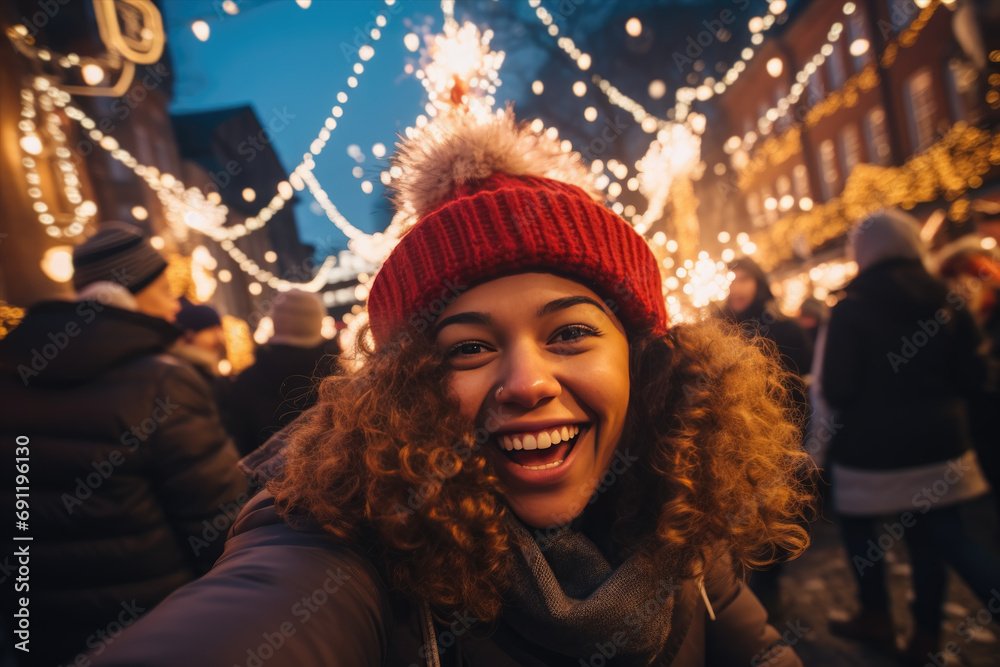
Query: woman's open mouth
{"points": [[541, 450]]}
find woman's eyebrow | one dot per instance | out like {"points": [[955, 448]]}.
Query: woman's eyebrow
{"points": [[569, 302], [471, 317]]}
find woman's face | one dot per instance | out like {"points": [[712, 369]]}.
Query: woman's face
{"points": [[562, 359]]}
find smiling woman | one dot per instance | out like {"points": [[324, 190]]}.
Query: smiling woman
{"points": [[528, 468]]}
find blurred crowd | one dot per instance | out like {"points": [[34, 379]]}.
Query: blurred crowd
{"points": [[896, 385]]}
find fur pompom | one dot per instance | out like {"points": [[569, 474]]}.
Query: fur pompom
{"points": [[459, 147]]}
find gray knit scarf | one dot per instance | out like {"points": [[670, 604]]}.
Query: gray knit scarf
{"points": [[566, 597]]}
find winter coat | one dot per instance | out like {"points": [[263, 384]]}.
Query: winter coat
{"points": [[899, 367], [763, 318], [298, 598], [132, 481], [275, 390]]}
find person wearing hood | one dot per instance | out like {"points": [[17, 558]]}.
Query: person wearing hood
{"points": [[751, 305], [130, 474], [900, 366], [282, 381]]}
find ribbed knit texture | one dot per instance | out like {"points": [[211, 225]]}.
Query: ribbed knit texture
{"points": [[505, 225], [117, 253]]}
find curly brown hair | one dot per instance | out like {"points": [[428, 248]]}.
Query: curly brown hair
{"points": [[385, 458]]}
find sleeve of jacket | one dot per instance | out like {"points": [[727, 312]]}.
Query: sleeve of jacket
{"points": [[277, 598], [192, 463], [740, 633], [842, 356]]}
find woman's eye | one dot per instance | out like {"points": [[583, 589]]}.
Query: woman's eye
{"points": [[466, 349], [573, 332]]}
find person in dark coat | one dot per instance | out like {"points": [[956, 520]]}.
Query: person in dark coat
{"points": [[900, 364], [202, 344], [751, 305], [529, 467], [130, 479], [282, 381]]}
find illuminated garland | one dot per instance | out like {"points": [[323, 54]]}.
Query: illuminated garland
{"points": [[949, 168], [779, 148], [10, 317]]}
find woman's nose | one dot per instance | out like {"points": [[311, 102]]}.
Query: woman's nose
{"points": [[529, 378]]}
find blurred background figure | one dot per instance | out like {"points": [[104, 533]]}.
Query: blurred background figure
{"points": [[812, 313], [202, 341], [900, 365], [973, 274], [751, 305], [283, 380], [129, 462], [203, 345]]}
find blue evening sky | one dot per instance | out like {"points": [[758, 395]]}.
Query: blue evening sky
{"points": [[281, 58]]}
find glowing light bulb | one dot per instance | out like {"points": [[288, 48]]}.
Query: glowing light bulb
{"points": [[859, 47], [775, 67], [633, 27], [93, 74], [201, 30], [411, 42], [249, 194]]}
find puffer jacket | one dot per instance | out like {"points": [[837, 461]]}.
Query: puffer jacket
{"points": [[132, 483], [281, 597], [900, 366]]}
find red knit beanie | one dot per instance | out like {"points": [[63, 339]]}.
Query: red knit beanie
{"points": [[485, 208]]}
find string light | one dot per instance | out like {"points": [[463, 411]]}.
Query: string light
{"points": [[57, 223], [950, 167]]}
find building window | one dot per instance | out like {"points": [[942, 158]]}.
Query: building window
{"points": [[800, 181], [877, 136], [835, 66], [921, 107], [817, 91], [850, 148], [961, 77], [857, 28], [828, 168]]}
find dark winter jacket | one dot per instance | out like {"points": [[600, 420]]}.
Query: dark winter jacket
{"points": [[132, 482], [763, 318], [275, 390], [901, 362], [286, 598]]}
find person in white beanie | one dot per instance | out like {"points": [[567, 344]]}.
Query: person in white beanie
{"points": [[900, 366], [281, 383]]}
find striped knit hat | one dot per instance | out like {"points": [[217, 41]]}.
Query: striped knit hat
{"points": [[490, 199], [118, 253]]}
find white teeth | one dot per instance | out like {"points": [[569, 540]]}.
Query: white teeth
{"points": [[543, 440], [544, 467]]}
